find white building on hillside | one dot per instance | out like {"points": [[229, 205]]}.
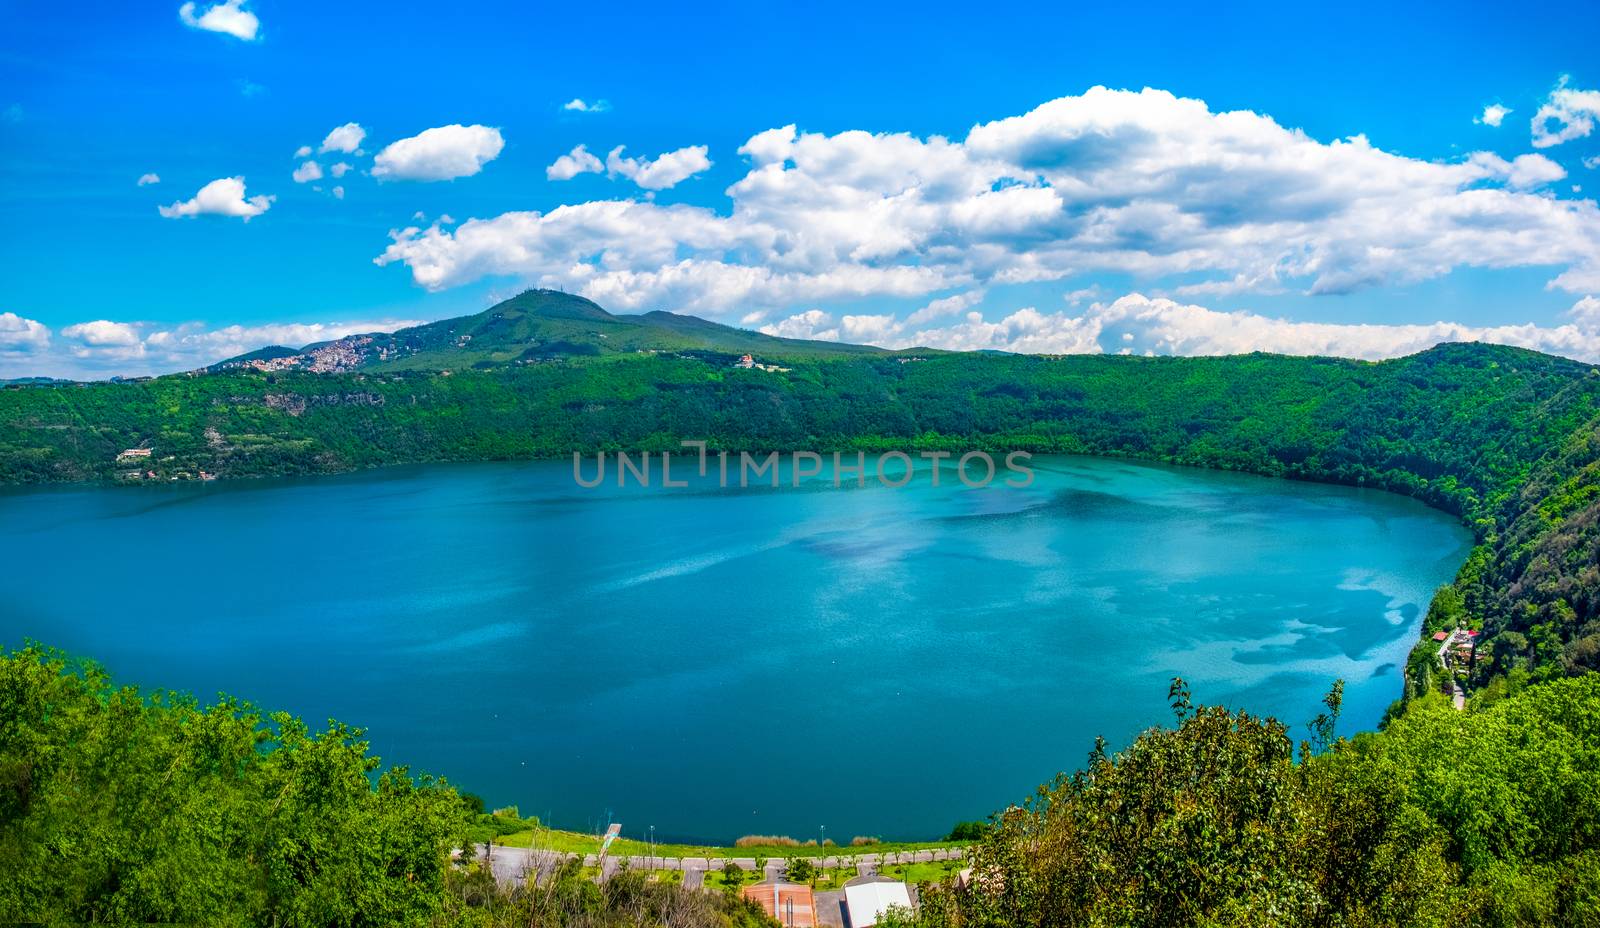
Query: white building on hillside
{"points": [[866, 902]]}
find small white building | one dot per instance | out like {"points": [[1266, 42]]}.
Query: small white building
{"points": [[866, 902]]}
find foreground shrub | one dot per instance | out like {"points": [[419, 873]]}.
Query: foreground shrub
{"points": [[1446, 818], [568, 898], [121, 807]]}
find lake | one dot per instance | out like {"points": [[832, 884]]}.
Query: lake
{"points": [[721, 662]]}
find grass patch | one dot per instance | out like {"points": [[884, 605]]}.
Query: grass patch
{"points": [[721, 880], [923, 873], [833, 878]]}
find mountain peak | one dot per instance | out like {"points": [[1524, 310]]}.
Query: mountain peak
{"points": [[552, 304]]}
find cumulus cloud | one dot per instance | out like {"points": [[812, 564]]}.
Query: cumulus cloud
{"points": [[578, 105], [660, 173], [146, 180], [338, 193], [1138, 183], [339, 169], [346, 138], [442, 153], [664, 171], [224, 196], [102, 338], [229, 17], [304, 151], [945, 307], [813, 324], [570, 165], [1493, 115], [1137, 324], [1568, 114], [1523, 172], [1586, 312], [307, 172], [20, 336]]}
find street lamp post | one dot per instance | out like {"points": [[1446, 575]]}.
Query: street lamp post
{"points": [[652, 847]]}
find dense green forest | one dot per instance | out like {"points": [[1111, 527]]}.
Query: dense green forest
{"points": [[118, 806]]}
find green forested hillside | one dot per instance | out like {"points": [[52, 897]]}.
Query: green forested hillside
{"points": [[1535, 581], [1456, 425]]}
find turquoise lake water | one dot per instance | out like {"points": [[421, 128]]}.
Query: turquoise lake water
{"points": [[722, 662]]}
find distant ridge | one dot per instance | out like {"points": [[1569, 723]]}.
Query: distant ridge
{"points": [[534, 326]]}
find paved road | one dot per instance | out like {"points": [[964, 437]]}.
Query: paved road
{"points": [[514, 864]]}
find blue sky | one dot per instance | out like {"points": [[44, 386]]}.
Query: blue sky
{"points": [[1107, 220]]}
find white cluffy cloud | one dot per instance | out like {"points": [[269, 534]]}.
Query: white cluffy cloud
{"points": [[439, 154], [105, 339], [146, 180], [1572, 113], [346, 138], [660, 173], [1145, 184], [664, 171], [1524, 172], [1493, 115], [578, 105], [224, 196], [1136, 324], [570, 165], [19, 336], [229, 17], [306, 172]]}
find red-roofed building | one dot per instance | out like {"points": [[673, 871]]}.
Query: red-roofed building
{"points": [[792, 904]]}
